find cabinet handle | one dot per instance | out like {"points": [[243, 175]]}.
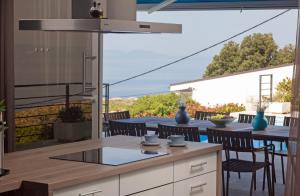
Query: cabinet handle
{"points": [[84, 58], [90, 193], [198, 165], [198, 187]]}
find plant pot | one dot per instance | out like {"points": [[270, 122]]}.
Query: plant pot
{"points": [[259, 122], [182, 116], [71, 132]]}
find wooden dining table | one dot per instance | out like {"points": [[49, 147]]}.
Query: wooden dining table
{"points": [[271, 133]]}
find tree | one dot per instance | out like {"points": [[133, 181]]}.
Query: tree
{"points": [[284, 91], [255, 51], [285, 55], [226, 62]]}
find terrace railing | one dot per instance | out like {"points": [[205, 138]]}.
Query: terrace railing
{"points": [[35, 120]]}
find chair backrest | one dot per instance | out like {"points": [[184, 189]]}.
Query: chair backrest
{"points": [[124, 128], [239, 141], [199, 115], [289, 121], [116, 116], [271, 120], [245, 118], [191, 133]]}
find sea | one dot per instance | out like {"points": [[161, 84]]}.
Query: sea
{"points": [[120, 65]]}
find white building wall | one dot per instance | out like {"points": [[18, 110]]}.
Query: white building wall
{"points": [[241, 88]]}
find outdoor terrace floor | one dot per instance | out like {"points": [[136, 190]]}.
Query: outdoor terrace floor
{"points": [[241, 187]]}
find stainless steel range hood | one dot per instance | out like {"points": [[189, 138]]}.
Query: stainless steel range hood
{"points": [[98, 25], [120, 17]]}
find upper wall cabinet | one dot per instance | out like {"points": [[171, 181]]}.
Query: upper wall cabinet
{"points": [[49, 57]]}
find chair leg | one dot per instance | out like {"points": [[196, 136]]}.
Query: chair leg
{"points": [[273, 172], [237, 157], [270, 182], [282, 169], [227, 183], [223, 183], [264, 180], [252, 182]]}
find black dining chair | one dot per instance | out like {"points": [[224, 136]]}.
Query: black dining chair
{"points": [[116, 115], [124, 128], [113, 116], [282, 151], [241, 141], [247, 118], [200, 115], [191, 133]]}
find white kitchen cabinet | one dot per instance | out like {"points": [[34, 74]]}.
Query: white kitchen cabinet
{"points": [[106, 187], [203, 185], [145, 179], [195, 166], [166, 190], [188, 177]]}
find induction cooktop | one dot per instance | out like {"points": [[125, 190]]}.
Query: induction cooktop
{"points": [[110, 156]]}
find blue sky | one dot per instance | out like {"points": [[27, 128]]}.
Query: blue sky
{"points": [[127, 55]]}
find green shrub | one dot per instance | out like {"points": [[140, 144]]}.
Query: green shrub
{"points": [[166, 105], [162, 105], [228, 108], [193, 106], [284, 91]]}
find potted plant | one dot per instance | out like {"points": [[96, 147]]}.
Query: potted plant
{"points": [[282, 97], [2, 129], [260, 122], [72, 125]]}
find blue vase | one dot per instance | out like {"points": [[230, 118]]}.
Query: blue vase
{"points": [[182, 116], [259, 122]]}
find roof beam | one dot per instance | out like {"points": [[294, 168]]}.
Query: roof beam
{"points": [[145, 5], [160, 6]]}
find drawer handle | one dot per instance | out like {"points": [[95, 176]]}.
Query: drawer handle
{"points": [[199, 165], [90, 193], [198, 187]]}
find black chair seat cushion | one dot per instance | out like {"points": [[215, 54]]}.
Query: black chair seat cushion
{"points": [[238, 165]]}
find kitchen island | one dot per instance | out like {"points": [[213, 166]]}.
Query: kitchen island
{"points": [[191, 170]]}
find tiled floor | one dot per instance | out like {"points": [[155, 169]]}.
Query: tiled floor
{"points": [[241, 187]]}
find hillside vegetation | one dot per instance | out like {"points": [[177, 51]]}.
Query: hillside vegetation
{"points": [[166, 105]]}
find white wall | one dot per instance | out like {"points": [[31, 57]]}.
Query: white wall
{"points": [[233, 89]]}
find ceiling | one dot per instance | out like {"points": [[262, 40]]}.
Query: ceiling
{"points": [[220, 4]]}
